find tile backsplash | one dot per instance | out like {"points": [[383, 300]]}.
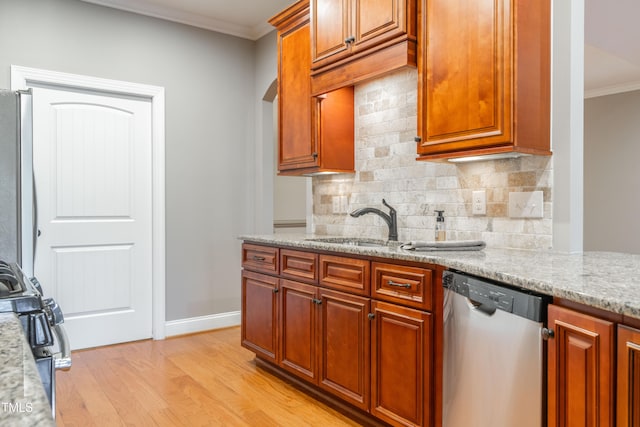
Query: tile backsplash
{"points": [[386, 167]]}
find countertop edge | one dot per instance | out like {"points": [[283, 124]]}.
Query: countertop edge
{"points": [[23, 401], [604, 280]]}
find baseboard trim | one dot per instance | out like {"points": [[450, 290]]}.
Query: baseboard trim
{"points": [[202, 323]]}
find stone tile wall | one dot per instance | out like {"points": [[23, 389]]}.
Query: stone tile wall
{"points": [[385, 153]]}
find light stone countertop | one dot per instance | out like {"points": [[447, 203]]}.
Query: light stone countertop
{"points": [[605, 280], [23, 401]]}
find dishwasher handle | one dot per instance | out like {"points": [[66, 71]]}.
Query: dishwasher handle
{"points": [[487, 308]]}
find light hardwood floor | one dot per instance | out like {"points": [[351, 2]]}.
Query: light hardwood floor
{"points": [[205, 379]]}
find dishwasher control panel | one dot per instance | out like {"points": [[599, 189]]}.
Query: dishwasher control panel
{"points": [[486, 295], [490, 296]]}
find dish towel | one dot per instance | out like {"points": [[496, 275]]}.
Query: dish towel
{"points": [[459, 245]]}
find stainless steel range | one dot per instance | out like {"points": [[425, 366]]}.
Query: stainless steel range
{"points": [[20, 292], [41, 320]]}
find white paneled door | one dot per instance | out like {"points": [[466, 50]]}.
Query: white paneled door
{"points": [[93, 166]]}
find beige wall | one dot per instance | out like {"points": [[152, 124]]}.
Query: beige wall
{"points": [[612, 173], [385, 120]]}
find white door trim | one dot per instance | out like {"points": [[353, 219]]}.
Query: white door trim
{"points": [[24, 77]]}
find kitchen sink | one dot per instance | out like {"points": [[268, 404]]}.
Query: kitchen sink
{"points": [[350, 241]]}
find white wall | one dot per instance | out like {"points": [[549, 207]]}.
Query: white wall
{"points": [[567, 94], [210, 83], [612, 175]]}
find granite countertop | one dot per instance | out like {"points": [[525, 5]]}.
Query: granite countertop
{"points": [[605, 280], [23, 401]]}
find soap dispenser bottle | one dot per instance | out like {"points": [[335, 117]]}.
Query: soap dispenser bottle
{"points": [[441, 232]]}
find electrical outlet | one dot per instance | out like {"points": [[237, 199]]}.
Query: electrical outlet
{"points": [[335, 200], [340, 204], [344, 201], [528, 204], [479, 202]]}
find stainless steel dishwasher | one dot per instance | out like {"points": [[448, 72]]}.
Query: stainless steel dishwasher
{"points": [[493, 354]]}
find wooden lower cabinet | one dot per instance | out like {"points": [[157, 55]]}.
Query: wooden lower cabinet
{"points": [[374, 356], [628, 393], [580, 371], [325, 339], [401, 365], [260, 314]]}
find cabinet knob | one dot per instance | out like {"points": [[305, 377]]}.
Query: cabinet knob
{"points": [[417, 139], [314, 155], [371, 316], [350, 40], [547, 334], [276, 290], [317, 301]]}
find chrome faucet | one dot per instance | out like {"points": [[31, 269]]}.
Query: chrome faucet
{"points": [[390, 219]]}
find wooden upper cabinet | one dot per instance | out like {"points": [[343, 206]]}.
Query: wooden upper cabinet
{"points": [[628, 396], [580, 371], [344, 27], [484, 78], [295, 105], [354, 40], [315, 133]]}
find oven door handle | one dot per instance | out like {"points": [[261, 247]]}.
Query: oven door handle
{"points": [[62, 360]]}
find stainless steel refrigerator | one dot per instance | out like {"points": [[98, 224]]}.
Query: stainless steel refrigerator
{"points": [[17, 202]]}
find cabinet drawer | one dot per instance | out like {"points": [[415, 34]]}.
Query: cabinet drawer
{"points": [[299, 265], [260, 258], [402, 284], [345, 274]]}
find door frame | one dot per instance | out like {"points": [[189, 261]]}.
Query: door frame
{"points": [[25, 77]]}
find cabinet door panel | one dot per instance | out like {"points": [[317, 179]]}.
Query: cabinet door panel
{"points": [[401, 364], [335, 130], [468, 58], [580, 369], [298, 329], [297, 146], [345, 347], [259, 314], [628, 397], [330, 22], [378, 20]]}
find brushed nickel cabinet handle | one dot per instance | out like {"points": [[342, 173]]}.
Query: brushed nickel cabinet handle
{"points": [[398, 285]]}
